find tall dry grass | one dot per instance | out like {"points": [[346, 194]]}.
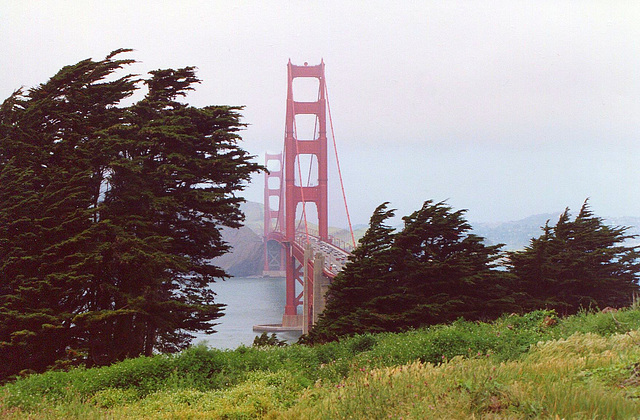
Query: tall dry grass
{"points": [[519, 367], [581, 377]]}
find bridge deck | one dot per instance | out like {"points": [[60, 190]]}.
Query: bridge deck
{"points": [[334, 257]]}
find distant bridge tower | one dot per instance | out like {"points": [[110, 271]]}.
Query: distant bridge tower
{"points": [[274, 252], [295, 147]]}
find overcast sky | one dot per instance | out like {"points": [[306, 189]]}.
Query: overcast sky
{"points": [[505, 108]]}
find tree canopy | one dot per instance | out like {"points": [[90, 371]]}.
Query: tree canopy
{"points": [[432, 271], [110, 215], [360, 298], [580, 263]]}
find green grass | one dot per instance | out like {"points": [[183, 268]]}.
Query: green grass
{"points": [[529, 366], [552, 380]]}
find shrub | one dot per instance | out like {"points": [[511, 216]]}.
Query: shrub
{"points": [[202, 374], [266, 340]]}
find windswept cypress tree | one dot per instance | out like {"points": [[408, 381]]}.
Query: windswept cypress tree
{"points": [[110, 215], [577, 264], [173, 176], [432, 271], [48, 191], [358, 299], [446, 271]]}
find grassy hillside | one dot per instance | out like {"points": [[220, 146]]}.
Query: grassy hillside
{"points": [[530, 366]]}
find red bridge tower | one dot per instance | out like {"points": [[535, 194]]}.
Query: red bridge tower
{"points": [[294, 147]]}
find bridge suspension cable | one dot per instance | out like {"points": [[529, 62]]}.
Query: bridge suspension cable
{"points": [[333, 137]]}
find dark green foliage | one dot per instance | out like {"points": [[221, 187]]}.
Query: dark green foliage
{"points": [[356, 300], [110, 216], [361, 343], [266, 340], [602, 323], [446, 272], [49, 187], [577, 264], [174, 170], [433, 271]]}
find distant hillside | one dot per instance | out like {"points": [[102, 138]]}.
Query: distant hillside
{"points": [[517, 234], [247, 256], [254, 216]]}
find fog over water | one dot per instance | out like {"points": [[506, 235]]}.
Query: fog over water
{"points": [[505, 108]]}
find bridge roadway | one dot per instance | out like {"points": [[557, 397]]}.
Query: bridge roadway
{"points": [[334, 256]]}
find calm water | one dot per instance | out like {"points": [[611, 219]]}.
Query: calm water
{"points": [[250, 301]]}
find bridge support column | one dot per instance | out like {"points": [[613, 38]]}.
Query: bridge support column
{"points": [[291, 318], [274, 252], [307, 296], [274, 259], [320, 287], [296, 193]]}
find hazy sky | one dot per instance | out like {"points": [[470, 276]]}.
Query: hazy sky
{"points": [[505, 108]]}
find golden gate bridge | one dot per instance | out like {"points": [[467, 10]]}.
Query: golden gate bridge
{"points": [[303, 251]]}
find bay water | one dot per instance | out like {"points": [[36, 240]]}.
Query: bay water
{"points": [[250, 301]]}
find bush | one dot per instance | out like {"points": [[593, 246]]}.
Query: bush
{"points": [[362, 343], [601, 323], [201, 373], [266, 340], [111, 397]]}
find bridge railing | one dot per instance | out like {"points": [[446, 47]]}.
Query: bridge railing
{"points": [[335, 256], [333, 240]]}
